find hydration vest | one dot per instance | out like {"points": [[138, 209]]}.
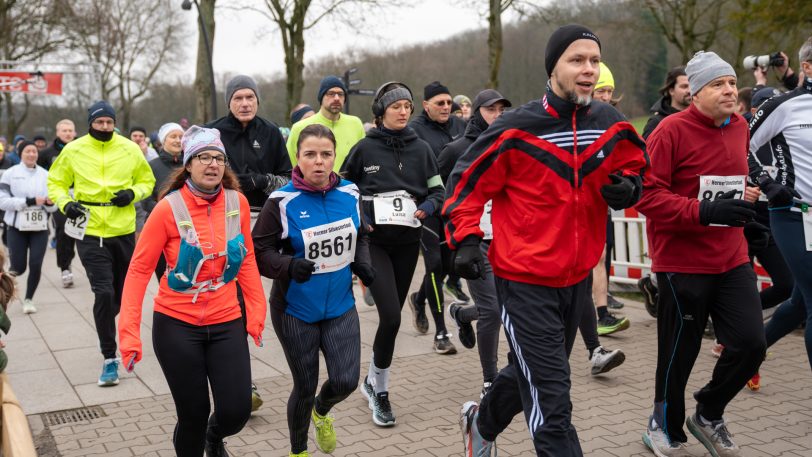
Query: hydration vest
{"points": [[183, 277]]}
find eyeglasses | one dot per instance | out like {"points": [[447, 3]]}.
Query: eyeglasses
{"points": [[206, 159], [443, 103], [339, 94]]}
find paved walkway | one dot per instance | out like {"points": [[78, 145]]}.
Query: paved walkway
{"points": [[54, 364]]}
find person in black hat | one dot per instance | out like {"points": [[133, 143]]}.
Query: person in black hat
{"points": [[436, 126], [550, 168], [255, 147], [108, 173]]}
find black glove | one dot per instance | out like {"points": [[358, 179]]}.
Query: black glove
{"points": [[467, 259], [123, 197], [757, 236], [31, 201], [254, 181], [74, 210], [726, 210], [622, 193], [364, 271], [300, 270], [777, 194]]}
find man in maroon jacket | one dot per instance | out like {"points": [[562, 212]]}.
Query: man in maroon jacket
{"points": [[694, 208], [550, 168]]}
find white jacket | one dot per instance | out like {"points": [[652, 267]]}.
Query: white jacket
{"points": [[18, 183]]}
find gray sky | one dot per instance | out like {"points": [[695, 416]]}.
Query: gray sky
{"points": [[247, 42]]}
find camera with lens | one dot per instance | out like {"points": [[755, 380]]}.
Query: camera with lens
{"points": [[771, 60]]}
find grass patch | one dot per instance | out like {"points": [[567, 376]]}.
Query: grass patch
{"points": [[639, 123]]}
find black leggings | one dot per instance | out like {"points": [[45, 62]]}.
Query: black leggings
{"points": [[340, 341], [394, 267], [782, 281], [20, 244], [588, 325], [193, 358], [435, 256]]}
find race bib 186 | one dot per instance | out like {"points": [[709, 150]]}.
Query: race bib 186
{"points": [[32, 219], [395, 208], [331, 246]]}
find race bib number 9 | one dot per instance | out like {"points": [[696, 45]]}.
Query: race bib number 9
{"points": [[75, 228], [395, 208], [713, 187], [331, 246], [485, 222], [32, 219]]}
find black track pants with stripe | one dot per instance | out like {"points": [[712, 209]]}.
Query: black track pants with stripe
{"points": [[685, 301], [540, 323]]}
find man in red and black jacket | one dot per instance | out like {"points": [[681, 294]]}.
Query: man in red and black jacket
{"points": [[695, 203], [550, 167]]}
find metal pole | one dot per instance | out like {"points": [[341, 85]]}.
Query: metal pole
{"points": [[211, 64]]}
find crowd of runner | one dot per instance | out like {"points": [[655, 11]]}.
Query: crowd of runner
{"points": [[514, 199]]}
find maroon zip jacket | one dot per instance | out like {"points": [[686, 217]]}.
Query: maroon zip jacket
{"points": [[685, 146], [543, 165]]}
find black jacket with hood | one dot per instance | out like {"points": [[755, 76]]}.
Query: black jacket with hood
{"points": [[384, 162], [659, 110], [435, 134], [454, 150], [257, 149]]}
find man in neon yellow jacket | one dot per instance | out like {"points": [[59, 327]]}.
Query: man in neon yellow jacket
{"points": [[347, 129], [108, 173]]}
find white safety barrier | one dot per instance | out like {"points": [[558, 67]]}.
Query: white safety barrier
{"points": [[631, 261]]}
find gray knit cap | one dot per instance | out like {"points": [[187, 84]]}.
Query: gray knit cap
{"points": [[240, 82], [704, 67]]}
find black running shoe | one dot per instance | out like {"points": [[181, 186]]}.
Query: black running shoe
{"points": [[467, 334], [455, 289], [613, 303], [419, 318], [649, 291], [443, 345]]}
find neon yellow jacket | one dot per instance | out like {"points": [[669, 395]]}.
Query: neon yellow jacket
{"points": [[348, 130], [96, 171]]}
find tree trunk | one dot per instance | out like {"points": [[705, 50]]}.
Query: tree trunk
{"points": [[12, 122], [494, 42], [294, 45], [203, 83]]}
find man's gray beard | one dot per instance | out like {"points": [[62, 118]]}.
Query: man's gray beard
{"points": [[579, 100]]}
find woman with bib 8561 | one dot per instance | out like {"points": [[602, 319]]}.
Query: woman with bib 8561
{"points": [[310, 240], [400, 184]]}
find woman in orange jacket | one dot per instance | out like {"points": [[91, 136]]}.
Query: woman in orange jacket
{"points": [[201, 224]]}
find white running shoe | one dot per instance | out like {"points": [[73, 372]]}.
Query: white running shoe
{"points": [[67, 279], [603, 360], [28, 307]]}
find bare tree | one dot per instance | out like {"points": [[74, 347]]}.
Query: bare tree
{"points": [[132, 41], [28, 32], [293, 18], [203, 77], [690, 25]]}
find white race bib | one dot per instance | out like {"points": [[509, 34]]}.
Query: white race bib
{"points": [[485, 222], [807, 218], [75, 228], [713, 187], [32, 219], [395, 208], [331, 246], [772, 172]]}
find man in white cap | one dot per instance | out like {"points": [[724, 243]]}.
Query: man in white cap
{"points": [[695, 208]]}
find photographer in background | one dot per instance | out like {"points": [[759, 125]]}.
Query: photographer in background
{"points": [[779, 61]]}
